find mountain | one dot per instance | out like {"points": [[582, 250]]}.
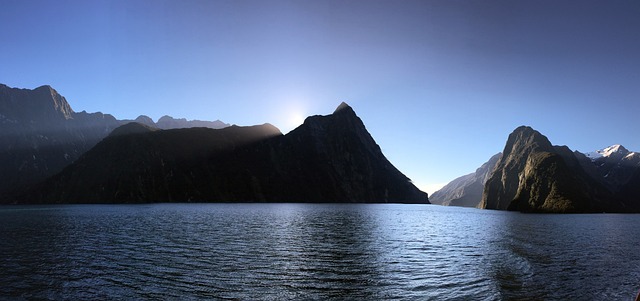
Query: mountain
{"points": [[534, 176], [327, 159], [630, 192], [465, 191], [612, 166], [167, 122], [132, 128], [40, 134]]}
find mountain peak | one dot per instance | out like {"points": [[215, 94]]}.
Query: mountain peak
{"points": [[615, 150], [43, 105], [525, 131], [343, 106], [45, 87], [526, 138], [132, 128], [146, 120]]}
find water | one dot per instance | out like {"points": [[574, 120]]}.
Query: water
{"points": [[314, 251]]}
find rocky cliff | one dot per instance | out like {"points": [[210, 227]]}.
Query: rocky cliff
{"points": [[534, 176], [502, 185], [327, 159]]}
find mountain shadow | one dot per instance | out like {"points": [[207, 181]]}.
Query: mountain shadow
{"points": [[40, 134], [327, 159]]}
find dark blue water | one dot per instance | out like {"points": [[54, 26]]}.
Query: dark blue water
{"points": [[317, 251]]}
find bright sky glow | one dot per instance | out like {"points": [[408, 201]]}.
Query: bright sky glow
{"points": [[439, 84]]}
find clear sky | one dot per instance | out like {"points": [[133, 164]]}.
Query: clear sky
{"points": [[439, 84]]}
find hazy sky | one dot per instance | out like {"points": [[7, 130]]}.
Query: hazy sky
{"points": [[439, 84]]}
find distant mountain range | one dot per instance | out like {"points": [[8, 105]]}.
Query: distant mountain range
{"points": [[40, 134], [465, 191], [532, 175], [167, 123], [329, 158], [52, 154]]}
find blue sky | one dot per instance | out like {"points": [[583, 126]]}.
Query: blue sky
{"points": [[439, 84]]}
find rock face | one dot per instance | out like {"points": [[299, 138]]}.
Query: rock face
{"points": [[327, 159], [40, 134], [534, 176], [502, 186], [466, 191]]}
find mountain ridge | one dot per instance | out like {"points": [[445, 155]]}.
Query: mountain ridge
{"points": [[328, 158], [466, 191], [40, 134]]}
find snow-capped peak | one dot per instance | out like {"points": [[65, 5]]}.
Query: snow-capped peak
{"points": [[608, 152], [615, 149]]}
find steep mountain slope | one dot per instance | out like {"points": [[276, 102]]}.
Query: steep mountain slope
{"points": [[40, 134], [629, 193], [465, 191], [327, 159], [534, 176], [137, 163]]}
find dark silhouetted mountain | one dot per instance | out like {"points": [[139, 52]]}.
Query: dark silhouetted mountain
{"points": [[168, 123], [327, 159], [465, 191], [132, 128], [629, 192], [534, 176], [146, 120], [40, 134]]}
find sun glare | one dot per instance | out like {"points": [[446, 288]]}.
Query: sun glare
{"points": [[296, 119]]}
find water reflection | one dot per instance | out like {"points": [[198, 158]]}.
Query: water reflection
{"points": [[564, 257], [314, 251]]}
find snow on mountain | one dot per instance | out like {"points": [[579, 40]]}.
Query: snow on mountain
{"points": [[611, 151]]}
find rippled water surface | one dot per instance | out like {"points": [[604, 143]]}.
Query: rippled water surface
{"points": [[314, 251]]}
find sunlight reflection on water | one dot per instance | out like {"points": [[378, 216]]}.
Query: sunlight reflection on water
{"points": [[314, 251]]}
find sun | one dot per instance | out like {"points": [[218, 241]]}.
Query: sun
{"points": [[292, 111], [294, 120]]}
